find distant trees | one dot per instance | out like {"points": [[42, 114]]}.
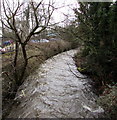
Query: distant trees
{"points": [[25, 21], [98, 27], [69, 33]]}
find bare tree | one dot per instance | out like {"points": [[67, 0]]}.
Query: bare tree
{"points": [[17, 19]]}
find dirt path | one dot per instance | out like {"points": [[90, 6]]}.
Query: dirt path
{"points": [[54, 91]]}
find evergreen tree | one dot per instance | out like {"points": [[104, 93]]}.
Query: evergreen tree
{"points": [[98, 26]]}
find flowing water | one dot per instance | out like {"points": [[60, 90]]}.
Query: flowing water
{"points": [[56, 90]]}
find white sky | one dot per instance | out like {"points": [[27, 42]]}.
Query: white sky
{"points": [[58, 14], [66, 9], [66, 5]]}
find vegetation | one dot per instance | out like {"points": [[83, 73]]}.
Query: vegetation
{"points": [[16, 19], [97, 26], [109, 101], [69, 33]]}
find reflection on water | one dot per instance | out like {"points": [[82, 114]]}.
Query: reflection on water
{"points": [[55, 92]]}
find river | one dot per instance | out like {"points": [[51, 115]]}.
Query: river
{"points": [[56, 90]]}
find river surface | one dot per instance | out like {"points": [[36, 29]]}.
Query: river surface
{"points": [[56, 90]]}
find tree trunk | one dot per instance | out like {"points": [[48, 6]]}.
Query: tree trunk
{"points": [[25, 62], [15, 62]]}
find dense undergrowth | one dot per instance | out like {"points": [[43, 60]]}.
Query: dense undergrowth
{"points": [[107, 91], [41, 51]]}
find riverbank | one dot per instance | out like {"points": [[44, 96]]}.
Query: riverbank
{"points": [[42, 51], [56, 90], [107, 92]]}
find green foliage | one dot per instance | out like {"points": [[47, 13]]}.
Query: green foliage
{"points": [[98, 28]]}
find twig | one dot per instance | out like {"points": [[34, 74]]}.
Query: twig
{"points": [[6, 73], [33, 56]]}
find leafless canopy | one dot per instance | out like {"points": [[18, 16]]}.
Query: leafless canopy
{"points": [[25, 19]]}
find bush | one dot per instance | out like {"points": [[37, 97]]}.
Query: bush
{"points": [[109, 102]]}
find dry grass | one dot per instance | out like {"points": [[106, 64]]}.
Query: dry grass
{"points": [[42, 51], [109, 102]]}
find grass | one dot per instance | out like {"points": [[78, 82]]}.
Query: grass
{"points": [[42, 51]]}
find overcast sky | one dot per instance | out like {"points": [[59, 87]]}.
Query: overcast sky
{"points": [[66, 9], [67, 6], [58, 15]]}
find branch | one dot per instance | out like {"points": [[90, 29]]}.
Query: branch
{"points": [[43, 28], [46, 20], [33, 56], [6, 73], [12, 23]]}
